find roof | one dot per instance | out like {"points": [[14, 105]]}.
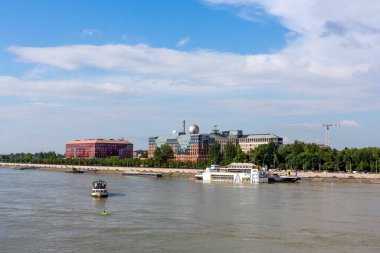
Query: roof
{"points": [[243, 164], [96, 141], [261, 136]]}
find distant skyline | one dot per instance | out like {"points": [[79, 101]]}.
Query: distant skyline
{"points": [[134, 69]]}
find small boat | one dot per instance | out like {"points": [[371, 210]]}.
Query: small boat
{"points": [[99, 189], [276, 178]]}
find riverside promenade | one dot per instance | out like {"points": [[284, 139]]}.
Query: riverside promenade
{"points": [[104, 169], [373, 178]]}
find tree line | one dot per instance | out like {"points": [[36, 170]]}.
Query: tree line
{"points": [[296, 156], [301, 156], [160, 160]]}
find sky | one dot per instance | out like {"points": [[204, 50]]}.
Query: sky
{"points": [[131, 69]]}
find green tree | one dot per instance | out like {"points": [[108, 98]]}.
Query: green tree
{"points": [[166, 152], [229, 153], [215, 155], [157, 157], [144, 154], [265, 154], [240, 156], [163, 154]]}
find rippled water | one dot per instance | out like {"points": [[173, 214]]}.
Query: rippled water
{"points": [[44, 211]]}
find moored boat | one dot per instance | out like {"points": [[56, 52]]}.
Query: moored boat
{"points": [[141, 174], [25, 168], [234, 173], [73, 170], [276, 178], [99, 189], [199, 176]]}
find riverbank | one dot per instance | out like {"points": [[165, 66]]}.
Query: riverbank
{"points": [[370, 178], [305, 176], [104, 169]]}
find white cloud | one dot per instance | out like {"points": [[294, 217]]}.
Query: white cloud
{"points": [[305, 125], [91, 32], [97, 88], [292, 81], [339, 34], [64, 89], [330, 66], [183, 42], [348, 123]]}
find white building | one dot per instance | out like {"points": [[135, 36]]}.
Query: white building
{"points": [[252, 141]]}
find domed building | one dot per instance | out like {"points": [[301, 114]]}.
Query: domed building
{"points": [[194, 129], [190, 146], [193, 146]]}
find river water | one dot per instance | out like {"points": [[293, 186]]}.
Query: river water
{"points": [[44, 211]]}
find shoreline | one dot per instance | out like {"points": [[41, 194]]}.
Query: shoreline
{"points": [[340, 177], [177, 172], [104, 169]]}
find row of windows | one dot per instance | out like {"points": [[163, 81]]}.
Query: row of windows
{"points": [[97, 148], [113, 145], [249, 145], [247, 140], [98, 145]]}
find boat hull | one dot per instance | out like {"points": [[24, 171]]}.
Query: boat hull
{"points": [[99, 195], [287, 179], [198, 176], [74, 171]]}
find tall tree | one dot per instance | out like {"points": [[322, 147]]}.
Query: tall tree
{"points": [[163, 154], [166, 152], [229, 153], [240, 156], [264, 155], [215, 155]]}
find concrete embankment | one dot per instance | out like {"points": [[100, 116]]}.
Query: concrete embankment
{"points": [[306, 176], [104, 169], [371, 178]]}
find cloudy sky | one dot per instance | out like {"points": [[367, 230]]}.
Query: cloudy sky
{"points": [[133, 69]]}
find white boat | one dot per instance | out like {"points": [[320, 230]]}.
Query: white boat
{"points": [[99, 189], [199, 176], [234, 173]]}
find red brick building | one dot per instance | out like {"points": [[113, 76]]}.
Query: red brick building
{"points": [[99, 149]]}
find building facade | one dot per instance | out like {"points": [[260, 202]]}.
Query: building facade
{"points": [[186, 147], [252, 141], [193, 146], [99, 148]]}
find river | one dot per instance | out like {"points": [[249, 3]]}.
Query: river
{"points": [[45, 211]]}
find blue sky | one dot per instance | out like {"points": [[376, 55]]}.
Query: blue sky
{"points": [[133, 69]]}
